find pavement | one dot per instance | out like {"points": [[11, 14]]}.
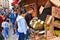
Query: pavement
{"points": [[11, 36]]}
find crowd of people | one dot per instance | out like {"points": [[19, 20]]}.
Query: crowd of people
{"points": [[18, 19]]}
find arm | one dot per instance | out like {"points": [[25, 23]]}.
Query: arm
{"points": [[23, 25]]}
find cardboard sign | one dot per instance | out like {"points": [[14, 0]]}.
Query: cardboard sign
{"points": [[41, 9]]}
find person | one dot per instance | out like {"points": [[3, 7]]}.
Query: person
{"points": [[1, 36], [7, 13], [5, 26], [13, 19], [3, 16], [1, 20], [22, 25]]}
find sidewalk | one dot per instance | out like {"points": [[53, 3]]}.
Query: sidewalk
{"points": [[11, 36]]}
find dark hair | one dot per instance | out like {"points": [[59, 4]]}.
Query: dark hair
{"points": [[17, 6], [23, 10], [31, 8], [15, 10], [7, 20]]}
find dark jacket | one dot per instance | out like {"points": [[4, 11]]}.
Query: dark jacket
{"points": [[46, 11], [1, 36], [13, 18]]}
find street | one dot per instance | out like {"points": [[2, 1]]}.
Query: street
{"points": [[11, 36]]}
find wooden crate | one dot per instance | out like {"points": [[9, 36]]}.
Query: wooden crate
{"points": [[49, 33], [56, 12], [48, 19], [34, 35], [55, 2]]}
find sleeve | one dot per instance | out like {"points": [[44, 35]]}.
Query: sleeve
{"points": [[23, 25], [2, 25]]}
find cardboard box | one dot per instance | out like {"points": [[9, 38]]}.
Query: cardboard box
{"points": [[55, 2], [56, 12]]}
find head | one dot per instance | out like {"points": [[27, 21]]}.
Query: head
{"points": [[18, 10], [6, 10], [15, 11]]}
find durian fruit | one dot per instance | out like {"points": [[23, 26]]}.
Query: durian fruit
{"points": [[40, 25], [46, 26], [34, 26], [57, 21], [43, 38], [57, 32], [32, 22]]}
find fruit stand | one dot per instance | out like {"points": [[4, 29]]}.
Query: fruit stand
{"points": [[51, 22]]}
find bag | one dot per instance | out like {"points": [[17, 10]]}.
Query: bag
{"points": [[15, 28]]}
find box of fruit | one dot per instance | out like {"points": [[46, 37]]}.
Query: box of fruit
{"points": [[36, 23]]}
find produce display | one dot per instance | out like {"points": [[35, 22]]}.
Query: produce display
{"points": [[57, 21], [36, 23]]}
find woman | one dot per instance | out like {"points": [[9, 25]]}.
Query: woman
{"points": [[1, 36]]}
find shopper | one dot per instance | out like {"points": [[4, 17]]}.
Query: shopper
{"points": [[5, 26], [1, 36], [13, 19], [22, 25]]}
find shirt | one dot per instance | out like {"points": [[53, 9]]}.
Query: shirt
{"points": [[22, 27], [5, 24]]}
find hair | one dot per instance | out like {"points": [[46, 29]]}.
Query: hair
{"points": [[7, 20], [18, 7], [15, 10]]}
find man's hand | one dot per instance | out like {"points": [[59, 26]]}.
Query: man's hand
{"points": [[25, 33]]}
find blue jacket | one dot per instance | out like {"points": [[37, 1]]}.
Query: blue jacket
{"points": [[13, 17]]}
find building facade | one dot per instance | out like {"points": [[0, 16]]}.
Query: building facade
{"points": [[5, 3]]}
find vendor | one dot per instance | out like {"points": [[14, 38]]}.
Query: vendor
{"points": [[47, 9]]}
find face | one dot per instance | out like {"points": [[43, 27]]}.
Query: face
{"points": [[15, 12], [7, 10], [18, 10]]}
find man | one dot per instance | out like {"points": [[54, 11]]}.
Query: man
{"points": [[22, 26], [13, 17], [7, 13], [1, 20]]}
